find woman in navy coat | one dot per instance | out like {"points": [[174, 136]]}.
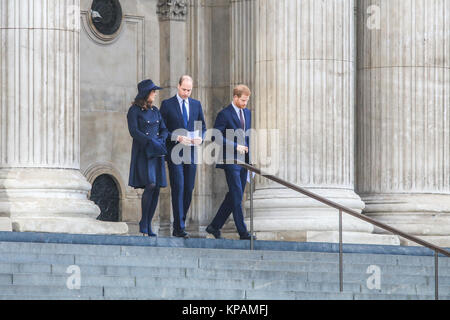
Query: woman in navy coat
{"points": [[147, 168]]}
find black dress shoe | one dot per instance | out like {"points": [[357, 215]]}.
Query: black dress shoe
{"points": [[180, 234], [246, 237], [211, 230]]}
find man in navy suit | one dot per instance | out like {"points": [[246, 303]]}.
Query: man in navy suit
{"points": [[181, 113], [237, 118]]}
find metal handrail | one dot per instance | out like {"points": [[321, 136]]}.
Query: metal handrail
{"points": [[342, 209]]}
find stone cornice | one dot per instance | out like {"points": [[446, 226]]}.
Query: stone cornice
{"points": [[172, 10]]}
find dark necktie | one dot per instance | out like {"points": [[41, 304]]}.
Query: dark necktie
{"points": [[185, 116], [241, 117]]}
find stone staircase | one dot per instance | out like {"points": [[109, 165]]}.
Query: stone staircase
{"points": [[48, 266]]}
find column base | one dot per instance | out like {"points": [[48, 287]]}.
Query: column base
{"points": [[51, 200], [69, 225], [5, 224], [318, 236], [424, 215], [441, 241], [353, 238], [281, 214]]}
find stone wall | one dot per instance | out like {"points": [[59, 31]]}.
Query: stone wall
{"points": [[360, 104]]}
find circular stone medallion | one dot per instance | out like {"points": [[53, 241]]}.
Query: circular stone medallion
{"points": [[105, 19]]}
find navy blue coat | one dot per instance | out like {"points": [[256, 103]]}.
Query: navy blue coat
{"points": [[149, 134], [171, 113], [227, 119]]}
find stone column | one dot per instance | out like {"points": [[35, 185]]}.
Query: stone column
{"points": [[172, 23], [41, 187], [243, 43], [403, 131], [305, 83], [198, 46]]}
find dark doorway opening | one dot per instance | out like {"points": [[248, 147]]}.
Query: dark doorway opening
{"points": [[105, 194]]}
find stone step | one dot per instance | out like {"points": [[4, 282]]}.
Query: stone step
{"points": [[99, 265], [159, 267], [244, 264], [318, 277], [308, 282], [174, 293], [59, 248], [19, 257], [161, 261], [5, 279], [61, 280], [353, 287], [12, 267], [27, 297], [40, 271], [292, 295], [49, 291], [385, 279], [110, 250], [289, 295], [250, 295], [67, 259]]}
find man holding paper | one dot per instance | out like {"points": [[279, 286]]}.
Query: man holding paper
{"points": [[235, 119], [180, 114]]}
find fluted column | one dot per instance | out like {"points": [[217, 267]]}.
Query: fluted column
{"points": [[403, 115], [305, 79], [172, 15], [199, 67], [41, 187], [243, 43]]}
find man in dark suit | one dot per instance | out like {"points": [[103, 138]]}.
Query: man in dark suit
{"points": [[181, 114], [237, 118]]}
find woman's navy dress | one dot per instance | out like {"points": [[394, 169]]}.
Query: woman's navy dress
{"points": [[149, 147]]}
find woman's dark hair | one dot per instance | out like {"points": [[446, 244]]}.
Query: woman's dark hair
{"points": [[143, 103]]}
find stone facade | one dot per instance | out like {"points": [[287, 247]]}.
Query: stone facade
{"points": [[403, 154], [41, 186], [357, 91]]}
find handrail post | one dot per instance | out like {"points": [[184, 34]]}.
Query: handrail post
{"points": [[436, 275], [252, 245], [341, 275]]}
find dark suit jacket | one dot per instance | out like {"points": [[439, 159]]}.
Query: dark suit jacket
{"points": [[171, 113], [228, 119]]}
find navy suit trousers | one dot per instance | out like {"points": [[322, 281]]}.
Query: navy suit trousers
{"points": [[182, 180], [236, 179]]}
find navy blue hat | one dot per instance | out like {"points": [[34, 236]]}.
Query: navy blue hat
{"points": [[144, 88]]}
